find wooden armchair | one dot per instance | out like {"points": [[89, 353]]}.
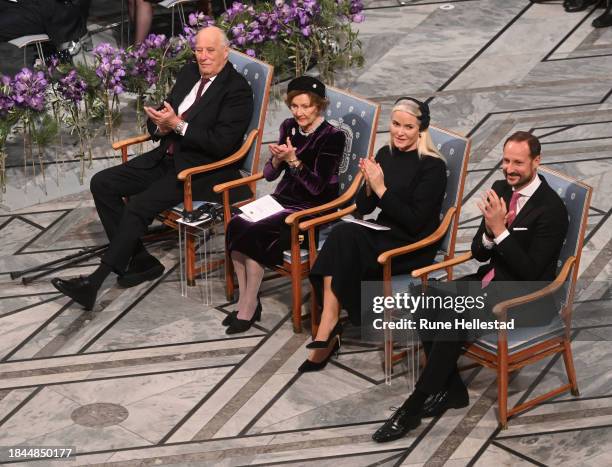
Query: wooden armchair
{"points": [[506, 351], [259, 76], [358, 119]]}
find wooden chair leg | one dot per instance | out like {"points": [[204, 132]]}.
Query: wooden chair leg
{"points": [[190, 260], [296, 290], [569, 367], [502, 388]]}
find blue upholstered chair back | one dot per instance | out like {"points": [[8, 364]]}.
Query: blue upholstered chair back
{"points": [[358, 119], [259, 76], [576, 197], [456, 151]]}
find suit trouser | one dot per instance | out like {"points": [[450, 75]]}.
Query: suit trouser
{"points": [[150, 191], [442, 348]]}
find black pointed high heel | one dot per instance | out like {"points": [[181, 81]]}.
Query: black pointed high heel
{"points": [[234, 315], [336, 331], [309, 365]]}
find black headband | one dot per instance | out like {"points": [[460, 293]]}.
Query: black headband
{"points": [[423, 107]]}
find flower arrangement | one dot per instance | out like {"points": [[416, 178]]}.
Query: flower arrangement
{"points": [[292, 35]]}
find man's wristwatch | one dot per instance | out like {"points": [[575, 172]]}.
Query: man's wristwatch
{"points": [[180, 127]]}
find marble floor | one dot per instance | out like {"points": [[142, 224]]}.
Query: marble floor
{"points": [[149, 376]]}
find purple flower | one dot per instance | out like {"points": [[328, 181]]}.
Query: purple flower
{"points": [[110, 68], [6, 95], [72, 87], [29, 89], [251, 53]]}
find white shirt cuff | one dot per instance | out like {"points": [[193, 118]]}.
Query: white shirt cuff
{"points": [[500, 238], [488, 244]]}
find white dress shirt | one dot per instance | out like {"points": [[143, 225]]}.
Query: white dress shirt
{"points": [[190, 99], [526, 193]]}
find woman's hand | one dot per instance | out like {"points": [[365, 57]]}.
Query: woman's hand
{"points": [[374, 176], [282, 153]]}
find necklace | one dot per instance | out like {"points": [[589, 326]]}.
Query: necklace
{"points": [[308, 133]]}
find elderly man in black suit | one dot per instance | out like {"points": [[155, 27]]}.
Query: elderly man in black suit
{"points": [[203, 120], [520, 237]]}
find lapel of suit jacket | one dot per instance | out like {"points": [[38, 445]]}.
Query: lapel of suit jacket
{"points": [[217, 84], [533, 202], [185, 86]]}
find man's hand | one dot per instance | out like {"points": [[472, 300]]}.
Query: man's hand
{"points": [[165, 119], [495, 213]]}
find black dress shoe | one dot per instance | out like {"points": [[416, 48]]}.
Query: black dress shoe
{"points": [[604, 20], [574, 6], [237, 325], [234, 315], [143, 267], [400, 423], [438, 403], [79, 289], [309, 366]]}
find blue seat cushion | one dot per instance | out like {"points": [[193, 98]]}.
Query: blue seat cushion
{"points": [[520, 339]]}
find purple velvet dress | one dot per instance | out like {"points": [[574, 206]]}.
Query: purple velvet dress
{"points": [[316, 183]]}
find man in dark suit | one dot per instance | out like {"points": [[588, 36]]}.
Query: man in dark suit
{"points": [[520, 237], [202, 121]]}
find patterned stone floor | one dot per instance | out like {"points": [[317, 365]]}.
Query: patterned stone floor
{"points": [[149, 377]]}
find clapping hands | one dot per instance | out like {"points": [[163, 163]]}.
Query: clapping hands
{"points": [[282, 152], [373, 175], [165, 118]]}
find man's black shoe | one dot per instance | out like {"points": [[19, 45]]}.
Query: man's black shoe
{"points": [[438, 403], [573, 6], [143, 267], [396, 426], [131, 279], [79, 289], [604, 20]]}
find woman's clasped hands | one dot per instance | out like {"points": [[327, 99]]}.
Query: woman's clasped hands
{"points": [[373, 175], [284, 153]]}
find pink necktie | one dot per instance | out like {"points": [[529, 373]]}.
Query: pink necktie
{"points": [[488, 277]]}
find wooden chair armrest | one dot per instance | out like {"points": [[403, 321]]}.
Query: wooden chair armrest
{"points": [[327, 218], [244, 149], [221, 187], [336, 203], [501, 308], [386, 256], [124, 143], [443, 264]]}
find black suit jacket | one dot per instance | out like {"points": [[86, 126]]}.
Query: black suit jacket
{"points": [[217, 122], [531, 252], [526, 260]]}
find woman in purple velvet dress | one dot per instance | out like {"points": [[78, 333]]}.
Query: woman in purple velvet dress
{"points": [[308, 155]]}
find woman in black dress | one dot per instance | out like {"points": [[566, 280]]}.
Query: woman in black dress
{"points": [[406, 181], [308, 155]]}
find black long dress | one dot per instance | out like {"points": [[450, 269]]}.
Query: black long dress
{"points": [[410, 207], [316, 183]]}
